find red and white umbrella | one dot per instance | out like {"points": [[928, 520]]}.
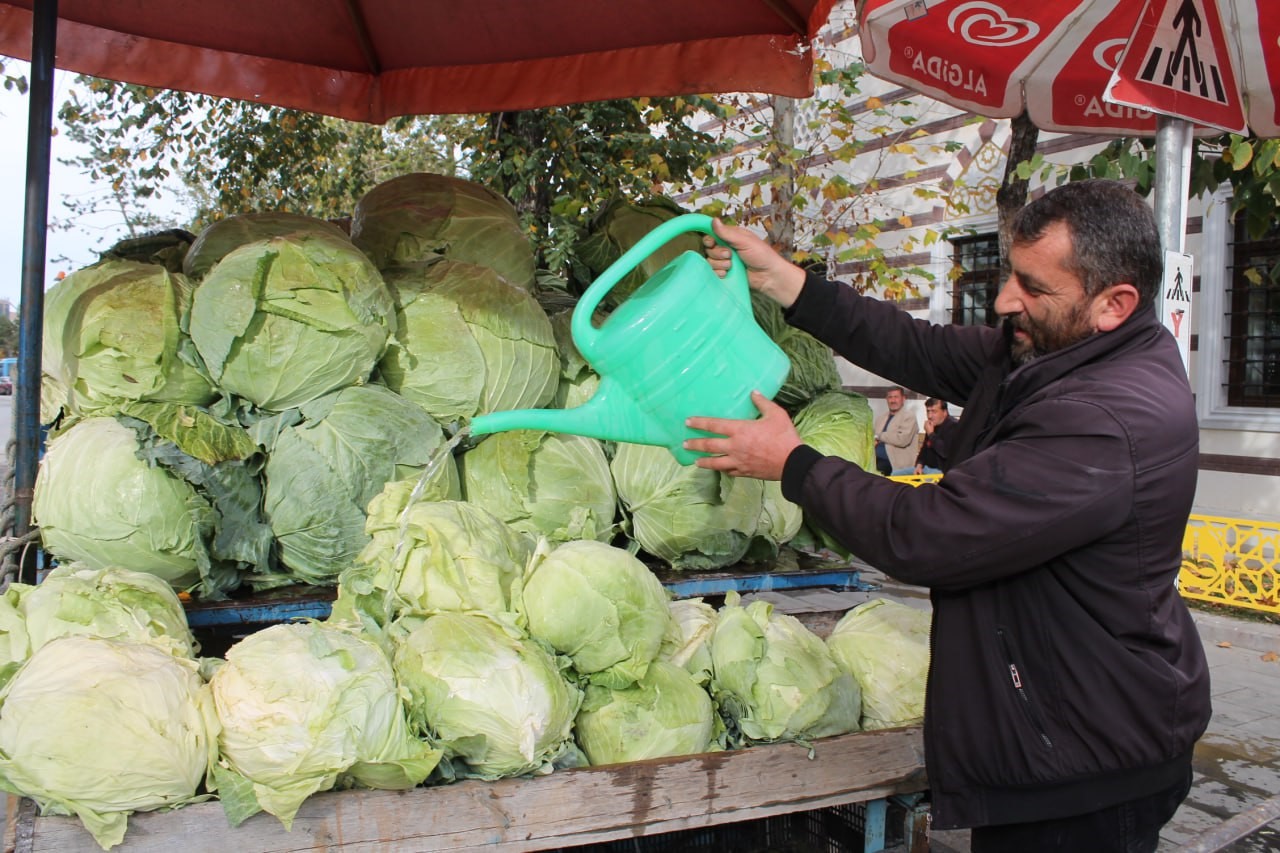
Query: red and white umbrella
{"points": [[1087, 66]]}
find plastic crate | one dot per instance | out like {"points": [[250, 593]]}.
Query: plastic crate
{"points": [[837, 829]]}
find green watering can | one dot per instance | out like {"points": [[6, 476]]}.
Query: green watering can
{"points": [[685, 343]]}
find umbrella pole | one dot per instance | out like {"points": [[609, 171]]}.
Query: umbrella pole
{"points": [[26, 418]]}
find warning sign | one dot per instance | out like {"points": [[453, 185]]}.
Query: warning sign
{"points": [[1178, 63], [1175, 302]]}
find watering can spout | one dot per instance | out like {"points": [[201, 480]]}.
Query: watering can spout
{"points": [[610, 415]]}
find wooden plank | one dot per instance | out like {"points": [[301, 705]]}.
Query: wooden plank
{"points": [[564, 809]]}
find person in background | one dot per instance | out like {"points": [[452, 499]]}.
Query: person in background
{"points": [[897, 435], [938, 426], [1067, 684]]}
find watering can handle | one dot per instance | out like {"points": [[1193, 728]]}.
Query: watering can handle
{"points": [[585, 332]]}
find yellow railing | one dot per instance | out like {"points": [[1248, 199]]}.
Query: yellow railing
{"points": [[1231, 561]]}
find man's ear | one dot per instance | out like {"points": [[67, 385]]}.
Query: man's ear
{"points": [[1113, 306]]}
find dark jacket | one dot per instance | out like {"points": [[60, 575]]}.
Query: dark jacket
{"points": [[1067, 674], [935, 452]]}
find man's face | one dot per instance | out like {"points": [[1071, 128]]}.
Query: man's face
{"points": [[1043, 304], [894, 400], [936, 414]]}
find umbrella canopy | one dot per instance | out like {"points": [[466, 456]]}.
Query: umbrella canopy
{"points": [[370, 60], [1086, 66]]}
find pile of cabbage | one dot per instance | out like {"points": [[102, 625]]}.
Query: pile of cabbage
{"points": [[453, 659], [225, 407]]}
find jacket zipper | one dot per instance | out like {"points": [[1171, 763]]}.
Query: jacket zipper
{"points": [[1020, 689]]}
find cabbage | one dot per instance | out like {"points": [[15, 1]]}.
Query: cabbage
{"points": [[112, 603], [283, 321], [693, 518], [578, 379], [216, 241], [600, 606], [543, 483], [100, 729], [780, 521], [776, 679], [328, 459], [408, 219], [836, 423], [688, 642], [885, 646], [116, 331], [97, 502], [486, 694], [813, 366], [431, 556], [305, 707], [665, 713], [621, 224], [468, 343]]}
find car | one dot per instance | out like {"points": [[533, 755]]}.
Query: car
{"points": [[6, 385]]}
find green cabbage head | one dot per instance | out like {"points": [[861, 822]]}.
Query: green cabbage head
{"points": [[578, 379], [776, 679], [486, 694], [219, 239], [413, 217], [327, 460], [305, 707], [112, 603], [885, 645], [96, 502], [665, 713], [543, 484], [690, 517], [813, 365], [431, 555], [100, 729], [468, 342], [600, 606], [283, 321], [621, 224], [115, 332], [836, 423]]}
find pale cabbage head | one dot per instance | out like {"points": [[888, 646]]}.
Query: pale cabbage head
{"points": [[688, 642], [117, 331], [487, 695], [598, 605], [776, 679], [543, 484], [427, 556], [414, 217], [101, 728], [306, 707], [327, 463], [111, 603], [578, 379], [665, 713], [836, 423], [621, 224], [885, 646], [96, 502], [690, 517], [468, 343], [280, 322]]}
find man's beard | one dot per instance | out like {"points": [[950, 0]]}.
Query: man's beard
{"points": [[1044, 338]]}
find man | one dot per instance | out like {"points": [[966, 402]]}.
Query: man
{"points": [[1067, 685], [938, 426], [896, 435]]}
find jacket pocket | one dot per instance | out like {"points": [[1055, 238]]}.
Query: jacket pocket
{"points": [[1016, 678]]}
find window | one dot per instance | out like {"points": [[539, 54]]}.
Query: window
{"points": [[977, 264], [1252, 346]]}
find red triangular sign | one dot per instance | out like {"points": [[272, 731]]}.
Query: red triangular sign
{"points": [[1177, 63]]}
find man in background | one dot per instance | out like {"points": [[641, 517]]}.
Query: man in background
{"points": [[938, 428], [897, 435]]}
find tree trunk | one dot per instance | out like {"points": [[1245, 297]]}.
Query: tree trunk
{"points": [[782, 223], [1012, 195]]}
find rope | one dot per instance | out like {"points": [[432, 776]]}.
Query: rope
{"points": [[12, 548]]}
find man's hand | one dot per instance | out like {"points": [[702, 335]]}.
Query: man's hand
{"points": [[767, 271], [756, 448]]}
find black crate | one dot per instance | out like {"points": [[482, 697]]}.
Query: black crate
{"points": [[837, 829]]}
